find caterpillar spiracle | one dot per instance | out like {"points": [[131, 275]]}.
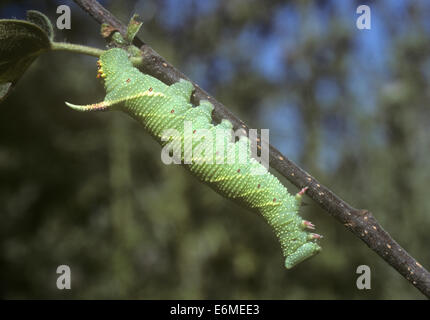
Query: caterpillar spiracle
{"points": [[158, 107]]}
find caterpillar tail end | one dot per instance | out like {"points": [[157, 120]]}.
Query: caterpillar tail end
{"points": [[101, 106], [306, 251]]}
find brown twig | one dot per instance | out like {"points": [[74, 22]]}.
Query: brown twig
{"points": [[360, 222]]}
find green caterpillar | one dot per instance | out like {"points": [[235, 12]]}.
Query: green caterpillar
{"points": [[159, 107]]}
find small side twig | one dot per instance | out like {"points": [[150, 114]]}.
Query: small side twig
{"points": [[360, 222]]}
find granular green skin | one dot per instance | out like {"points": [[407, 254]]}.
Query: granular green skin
{"points": [[158, 107]]}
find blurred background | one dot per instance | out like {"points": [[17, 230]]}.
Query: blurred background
{"points": [[349, 106]]}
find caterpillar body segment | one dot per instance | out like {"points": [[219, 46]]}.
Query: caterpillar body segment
{"points": [[159, 107]]}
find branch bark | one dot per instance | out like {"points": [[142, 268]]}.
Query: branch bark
{"points": [[360, 222]]}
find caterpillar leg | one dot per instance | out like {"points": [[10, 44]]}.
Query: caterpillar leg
{"points": [[308, 249], [305, 224], [204, 111], [308, 225], [206, 106], [301, 193], [182, 88]]}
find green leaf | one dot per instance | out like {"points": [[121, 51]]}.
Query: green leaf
{"points": [[4, 90], [133, 28], [21, 42], [42, 21]]}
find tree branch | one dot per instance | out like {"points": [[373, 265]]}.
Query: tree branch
{"points": [[360, 222]]}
